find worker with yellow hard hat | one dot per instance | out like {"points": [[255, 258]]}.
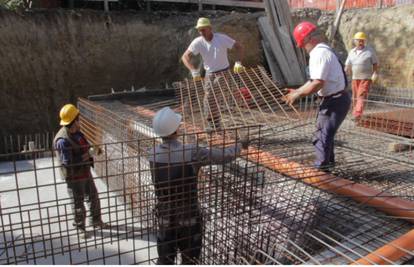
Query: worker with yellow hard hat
{"points": [[73, 154], [362, 62], [213, 48]]}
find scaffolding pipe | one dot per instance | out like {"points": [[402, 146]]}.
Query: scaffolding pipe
{"points": [[392, 251]]}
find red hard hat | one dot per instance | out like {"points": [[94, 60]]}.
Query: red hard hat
{"points": [[301, 31]]}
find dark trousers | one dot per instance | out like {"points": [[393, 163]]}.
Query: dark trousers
{"points": [[77, 190], [186, 239], [332, 113]]}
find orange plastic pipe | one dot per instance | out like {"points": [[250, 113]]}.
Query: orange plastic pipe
{"points": [[387, 203], [391, 251]]}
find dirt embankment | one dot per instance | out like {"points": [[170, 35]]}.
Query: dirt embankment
{"points": [[49, 58]]}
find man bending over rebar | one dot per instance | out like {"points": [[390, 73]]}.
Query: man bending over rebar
{"points": [[328, 79], [213, 48], [75, 161], [174, 168]]}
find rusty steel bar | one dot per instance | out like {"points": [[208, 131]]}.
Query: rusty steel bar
{"points": [[364, 194]]}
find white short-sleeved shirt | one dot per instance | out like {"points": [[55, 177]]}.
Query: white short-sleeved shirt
{"points": [[214, 53], [362, 61], [324, 65]]}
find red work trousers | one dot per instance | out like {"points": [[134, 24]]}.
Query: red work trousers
{"points": [[360, 89]]}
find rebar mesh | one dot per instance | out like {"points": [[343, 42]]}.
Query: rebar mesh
{"points": [[268, 206]]}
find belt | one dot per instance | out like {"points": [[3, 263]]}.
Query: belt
{"points": [[333, 95], [217, 71]]}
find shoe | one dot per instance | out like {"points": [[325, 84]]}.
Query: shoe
{"points": [[356, 120], [328, 168], [101, 225], [83, 234]]}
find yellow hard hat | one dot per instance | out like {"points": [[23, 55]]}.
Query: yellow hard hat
{"points": [[360, 36], [67, 114], [203, 22]]}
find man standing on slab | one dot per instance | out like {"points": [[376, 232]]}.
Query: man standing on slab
{"points": [[328, 79]]}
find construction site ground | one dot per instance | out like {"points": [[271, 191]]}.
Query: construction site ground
{"points": [[269, 205]]}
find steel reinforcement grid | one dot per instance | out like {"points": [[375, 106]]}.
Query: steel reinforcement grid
{"points": [[265, 206]]}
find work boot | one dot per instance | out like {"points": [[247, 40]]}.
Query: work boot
{"points": [[101, 225], [83, 234]]}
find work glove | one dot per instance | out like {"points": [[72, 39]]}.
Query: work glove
{"points": [[238, 67], [196, 75], [374, 77], [95, 151]]}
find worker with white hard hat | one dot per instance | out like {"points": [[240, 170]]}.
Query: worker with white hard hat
{"points": [[362, 62], [174, 168], [328, 80], [73, 153], [213, 48]]}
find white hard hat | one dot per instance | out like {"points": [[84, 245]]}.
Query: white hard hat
{"points": [[166, 122]]}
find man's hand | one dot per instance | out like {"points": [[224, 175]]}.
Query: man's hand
{"points": [[238, 67], [95, 150], [196, 75], [374, 77], [292, 96]]}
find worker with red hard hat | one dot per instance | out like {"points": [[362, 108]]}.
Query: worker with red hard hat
{"points": [[328, 80]]}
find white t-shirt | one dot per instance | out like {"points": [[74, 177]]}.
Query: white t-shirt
{"points": [[362, 62], [324, 65], [214, 53]]}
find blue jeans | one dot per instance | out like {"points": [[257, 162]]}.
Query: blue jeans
{"points": [[332, 113]]}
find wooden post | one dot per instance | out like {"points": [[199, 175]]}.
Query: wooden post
{"points": [[200, 5], [337, 20], [338, 4], [106, 6], [148, 6], [379, 3]]}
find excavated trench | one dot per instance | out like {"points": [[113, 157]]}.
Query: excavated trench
{"points": [[51, 57]]}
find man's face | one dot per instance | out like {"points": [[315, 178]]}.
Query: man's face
{"points": [[307, 44], [359, 43], [206, 32], [76, 125]]}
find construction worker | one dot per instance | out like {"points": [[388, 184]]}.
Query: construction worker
{"points": [[174, 168], [213, 49], [328, 79], [73, 155], [362, 62]]}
